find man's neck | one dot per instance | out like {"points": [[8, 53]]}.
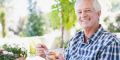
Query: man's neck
{"points": [[90, 31]]}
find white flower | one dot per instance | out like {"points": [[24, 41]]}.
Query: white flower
{"points": [[10, 53], [7, 53]]}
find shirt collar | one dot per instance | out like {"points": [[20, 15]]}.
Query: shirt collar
{"points": [[96, 34]]}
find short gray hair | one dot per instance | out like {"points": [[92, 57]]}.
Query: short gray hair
{"points": [[96, 4]]}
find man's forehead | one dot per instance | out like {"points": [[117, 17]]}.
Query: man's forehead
{"points": [[84, 5], [81, 1]]}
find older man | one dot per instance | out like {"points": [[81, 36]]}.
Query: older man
{"points": [[93, 43]]}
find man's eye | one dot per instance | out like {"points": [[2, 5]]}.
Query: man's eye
{"points": [[79, 12], [88, 11]]}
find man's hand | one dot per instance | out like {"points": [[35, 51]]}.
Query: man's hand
{"points": [[60, 57], [40, 50], [54, 56]]}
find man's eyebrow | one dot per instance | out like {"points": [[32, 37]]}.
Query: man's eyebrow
{"points": [[88, 8], [84, 9]]}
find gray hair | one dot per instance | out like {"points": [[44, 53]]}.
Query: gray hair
{"points": [[96, 4]]}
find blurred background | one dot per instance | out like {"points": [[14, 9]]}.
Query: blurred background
{"points": [[52, 22]]}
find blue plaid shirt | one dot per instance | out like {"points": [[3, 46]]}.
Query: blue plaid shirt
{"points": [[101, 45]]}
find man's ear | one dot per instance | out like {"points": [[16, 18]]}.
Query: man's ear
{"points": [[99, 13]]}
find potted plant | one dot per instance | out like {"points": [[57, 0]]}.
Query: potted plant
{"points": [[13, 53]]}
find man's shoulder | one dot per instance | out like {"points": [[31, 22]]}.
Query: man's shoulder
{"points": [[109, 35], [76, 36], [79, 32], [110, 38]]}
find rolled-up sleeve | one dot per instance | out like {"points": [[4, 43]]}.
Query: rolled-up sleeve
{"points": [[67, 52]]}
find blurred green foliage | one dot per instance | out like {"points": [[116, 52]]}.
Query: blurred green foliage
{"points": [[63, 13], [35, 22], [63, 16], [113, 26], [2, 20], [115, 5], [17, 52], [2, 17]]}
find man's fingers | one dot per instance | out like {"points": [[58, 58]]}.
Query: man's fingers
{"points": [[41, 46], [40, 50]]}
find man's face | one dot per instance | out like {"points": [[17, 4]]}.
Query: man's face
{"points": [[87, 15]]}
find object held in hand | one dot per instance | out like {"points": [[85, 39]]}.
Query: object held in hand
{"points": [[53, 54]]}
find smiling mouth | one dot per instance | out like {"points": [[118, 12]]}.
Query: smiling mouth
{"points": [[85, 20]]}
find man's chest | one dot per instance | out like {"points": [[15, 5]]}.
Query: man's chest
{"points": [[85, 52]]}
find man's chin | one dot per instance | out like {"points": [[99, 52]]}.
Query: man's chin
{"points": [[85, 26]]}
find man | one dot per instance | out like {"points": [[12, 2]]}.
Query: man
{"points": [[93, 43]]}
